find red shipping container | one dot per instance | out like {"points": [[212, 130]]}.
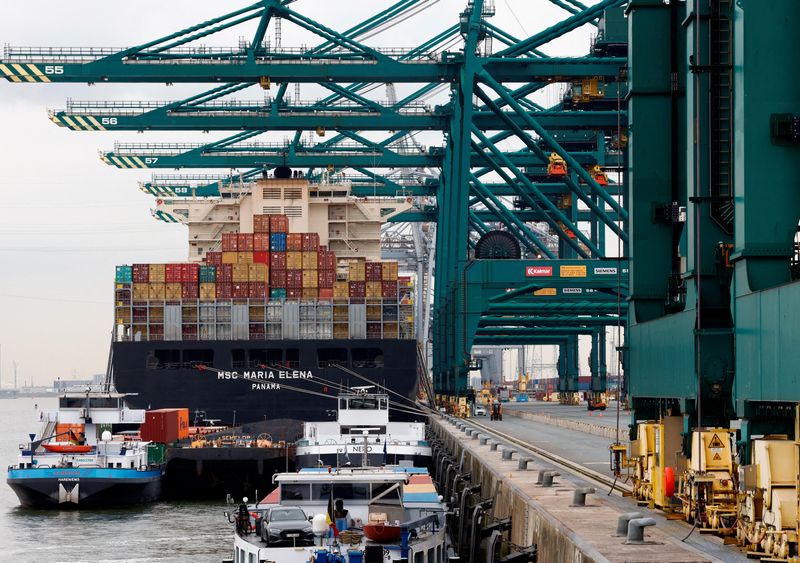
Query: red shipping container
{"points": [[165, 426], [225, 273], [190, 272], [277, 278], [373, 271], [261, 224], [404, 281], [326, 293], [357, 289], [245, 242], [294, 279], [224, 290], [294, 293], [389, 289], [241, 290], [294, 242], [230, 242], [326, 278], [213, 258], [261, 257], [277, 260], [172, 273], [327, 261], [258, 290], [310, 242], [261, 242], [190, 290], [141, 273], [278, 224]]}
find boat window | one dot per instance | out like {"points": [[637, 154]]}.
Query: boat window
{"points": [[430, 555], [238, 358], [295, 491], [367, 403], [251, 558], [292, 358], [192, 358], [419, 557], [438, 554], [331, 357], [94, 402], [367, 358], [344, 491], [163, 359]]}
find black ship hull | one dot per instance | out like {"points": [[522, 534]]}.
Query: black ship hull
{"points": [[238, 382], [84, 487]]}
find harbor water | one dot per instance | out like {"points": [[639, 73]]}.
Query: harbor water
{"points": [[174, 531]]}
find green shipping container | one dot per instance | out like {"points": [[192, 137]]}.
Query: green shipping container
{"points": [[277, 293], [124, 274], [208, 274], [156, 454]]}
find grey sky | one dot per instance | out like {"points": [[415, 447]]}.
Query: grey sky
{"points": [[66, 219]]}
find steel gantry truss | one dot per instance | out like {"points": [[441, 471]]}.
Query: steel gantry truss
{"points": [[491, 172]]}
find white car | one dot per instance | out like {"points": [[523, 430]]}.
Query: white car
{"points": [[480, 410]]}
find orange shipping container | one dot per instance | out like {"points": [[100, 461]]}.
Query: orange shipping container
{"points": [[374, 289], [172, 291], [208, 291], [356, 271], [63, 430], [141, 291], [241, 273], [245, 257], [294, 260], [326, 293], [261, 223], [158, 273], [230, 257], [157, 291], [294, 241], [310, 279], [165, 426], [341, 290], [389, 271], [257, 273], [244, 242], [310, 260]]}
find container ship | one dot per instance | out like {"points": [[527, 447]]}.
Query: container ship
{"points": [[283, 302]]}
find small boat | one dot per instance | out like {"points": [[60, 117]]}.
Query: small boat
{"points": [[362, 435], [390, 514], [67, 448], [84, 457]]}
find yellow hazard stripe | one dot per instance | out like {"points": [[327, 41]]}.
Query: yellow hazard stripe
{"points": [[24, 73], [71, 124], [138, 161], [118, 162], [129, 162], [9, 73], [38, 73], [94, 122], [85, 125]]}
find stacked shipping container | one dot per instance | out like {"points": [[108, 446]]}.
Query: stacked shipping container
{"points": [[256, 270]]}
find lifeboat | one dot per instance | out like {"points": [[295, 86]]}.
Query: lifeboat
{"points": [[381, 532], [61, 448]]}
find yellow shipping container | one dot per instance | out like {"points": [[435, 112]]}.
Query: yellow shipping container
{"points": [[241, 273], [294, 260], [341, 330], [141, 291], [245, 258], [310, 293], [389, 271], [257, 272], [310, 260], [310, 279], [172, 291], [341, 290], [357, 271], [157, 291], [208, 291], [230, 257], [374, 289], [158, 273]]}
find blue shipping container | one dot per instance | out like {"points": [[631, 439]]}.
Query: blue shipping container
{"points": [[208, 274], [277, 242], [277, 293], [124, 274]]}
